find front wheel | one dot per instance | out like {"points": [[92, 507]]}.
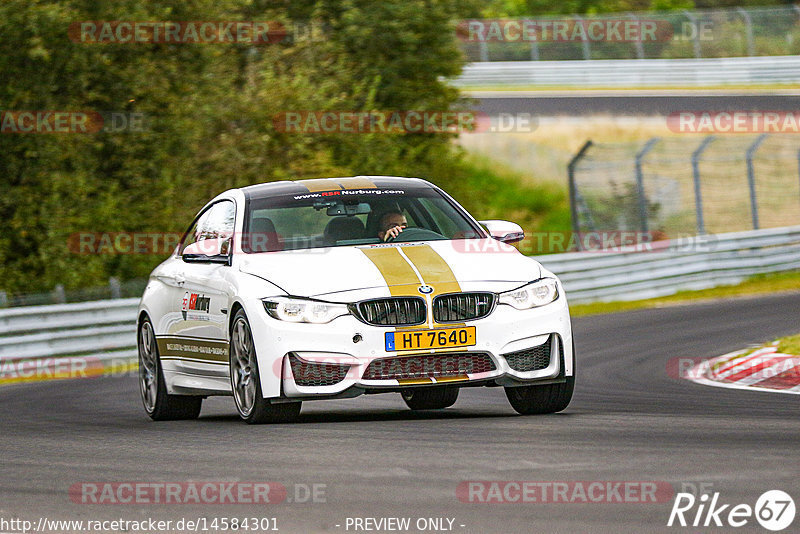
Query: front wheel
{"points": [[430, 398], [547, 398], [160, 405], [245, 381]]}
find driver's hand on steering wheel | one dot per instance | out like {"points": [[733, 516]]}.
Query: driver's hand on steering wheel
{"points": [[393, 232]]}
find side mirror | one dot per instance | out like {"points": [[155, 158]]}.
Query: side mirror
{"points": [[505, 231], [202, 258], [216, 250]]}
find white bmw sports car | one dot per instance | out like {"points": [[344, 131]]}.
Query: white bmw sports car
{"points": [[332, 288]]}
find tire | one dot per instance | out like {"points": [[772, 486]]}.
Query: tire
{"points": [[430, 398], [253, 408], [547, 398], [160, 405]]}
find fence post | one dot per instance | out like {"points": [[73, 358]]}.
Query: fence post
{"points": [[534, 45], [483, 51], [696, 31], [3, 299], [748, 31], [59, 295], [698, 197], [116, 287], [637, 43], [573, 191], [751, 178], [643, 215], [587, 51]]}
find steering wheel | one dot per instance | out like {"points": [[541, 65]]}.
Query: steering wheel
{"points": [[416, 234]]}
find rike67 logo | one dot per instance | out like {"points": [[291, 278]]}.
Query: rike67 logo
{"points": [[774, 510]]}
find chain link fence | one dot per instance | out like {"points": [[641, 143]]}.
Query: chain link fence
{"points": [[733, 32], [674, 187]]}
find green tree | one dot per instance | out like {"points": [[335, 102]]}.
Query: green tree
{"points": [[209, 112]]}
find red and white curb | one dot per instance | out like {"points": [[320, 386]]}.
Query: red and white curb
{"points": [[765, 369]]}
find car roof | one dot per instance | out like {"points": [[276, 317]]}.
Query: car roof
{"points": [[333, 184]]}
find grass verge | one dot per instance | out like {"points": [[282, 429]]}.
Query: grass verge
{"points": [[757, 285], [786, 345], [789, 345], [491, 190]]}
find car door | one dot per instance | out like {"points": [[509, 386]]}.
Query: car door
{"points": [[203, 292]]}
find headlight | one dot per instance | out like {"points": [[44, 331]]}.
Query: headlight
{"points": [[296, 310], [535, 294]]}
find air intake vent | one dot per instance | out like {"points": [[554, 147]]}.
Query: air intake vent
{"points": [[429, 365], [532, 359], [456, 307], [394, 311], [316, 374]]}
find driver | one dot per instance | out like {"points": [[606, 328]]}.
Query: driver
{"points": [[391, 224]]}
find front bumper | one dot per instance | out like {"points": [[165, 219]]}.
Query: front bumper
{"points": [[330, 360]]}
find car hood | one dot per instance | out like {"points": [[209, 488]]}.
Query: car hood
{"points": [[396, 269]]}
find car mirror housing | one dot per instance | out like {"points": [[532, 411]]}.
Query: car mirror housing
{"points": [[505, 231], [202, 258]]}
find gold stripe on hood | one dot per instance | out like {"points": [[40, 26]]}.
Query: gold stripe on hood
{"points": [[434, 270], [395, 270]]}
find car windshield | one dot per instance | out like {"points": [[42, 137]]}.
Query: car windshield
{"points": [[346, 218]]}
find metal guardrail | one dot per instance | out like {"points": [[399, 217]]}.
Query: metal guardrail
{"points": [[102, 330], [634, 72], [697, 263], [721, 32], [106, 329]]}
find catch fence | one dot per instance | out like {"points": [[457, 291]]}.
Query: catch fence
{"points": [[690, 185]]}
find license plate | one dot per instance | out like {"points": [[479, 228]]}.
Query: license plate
{"points": [[439, 338]]}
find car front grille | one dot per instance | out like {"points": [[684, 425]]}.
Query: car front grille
{"points": [[532, 359], [392, 311], [456, 307], [316, 374], [429, 365]]}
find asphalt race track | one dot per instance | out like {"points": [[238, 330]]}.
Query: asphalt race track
{"points": [[587, 103], [628, 421]]}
